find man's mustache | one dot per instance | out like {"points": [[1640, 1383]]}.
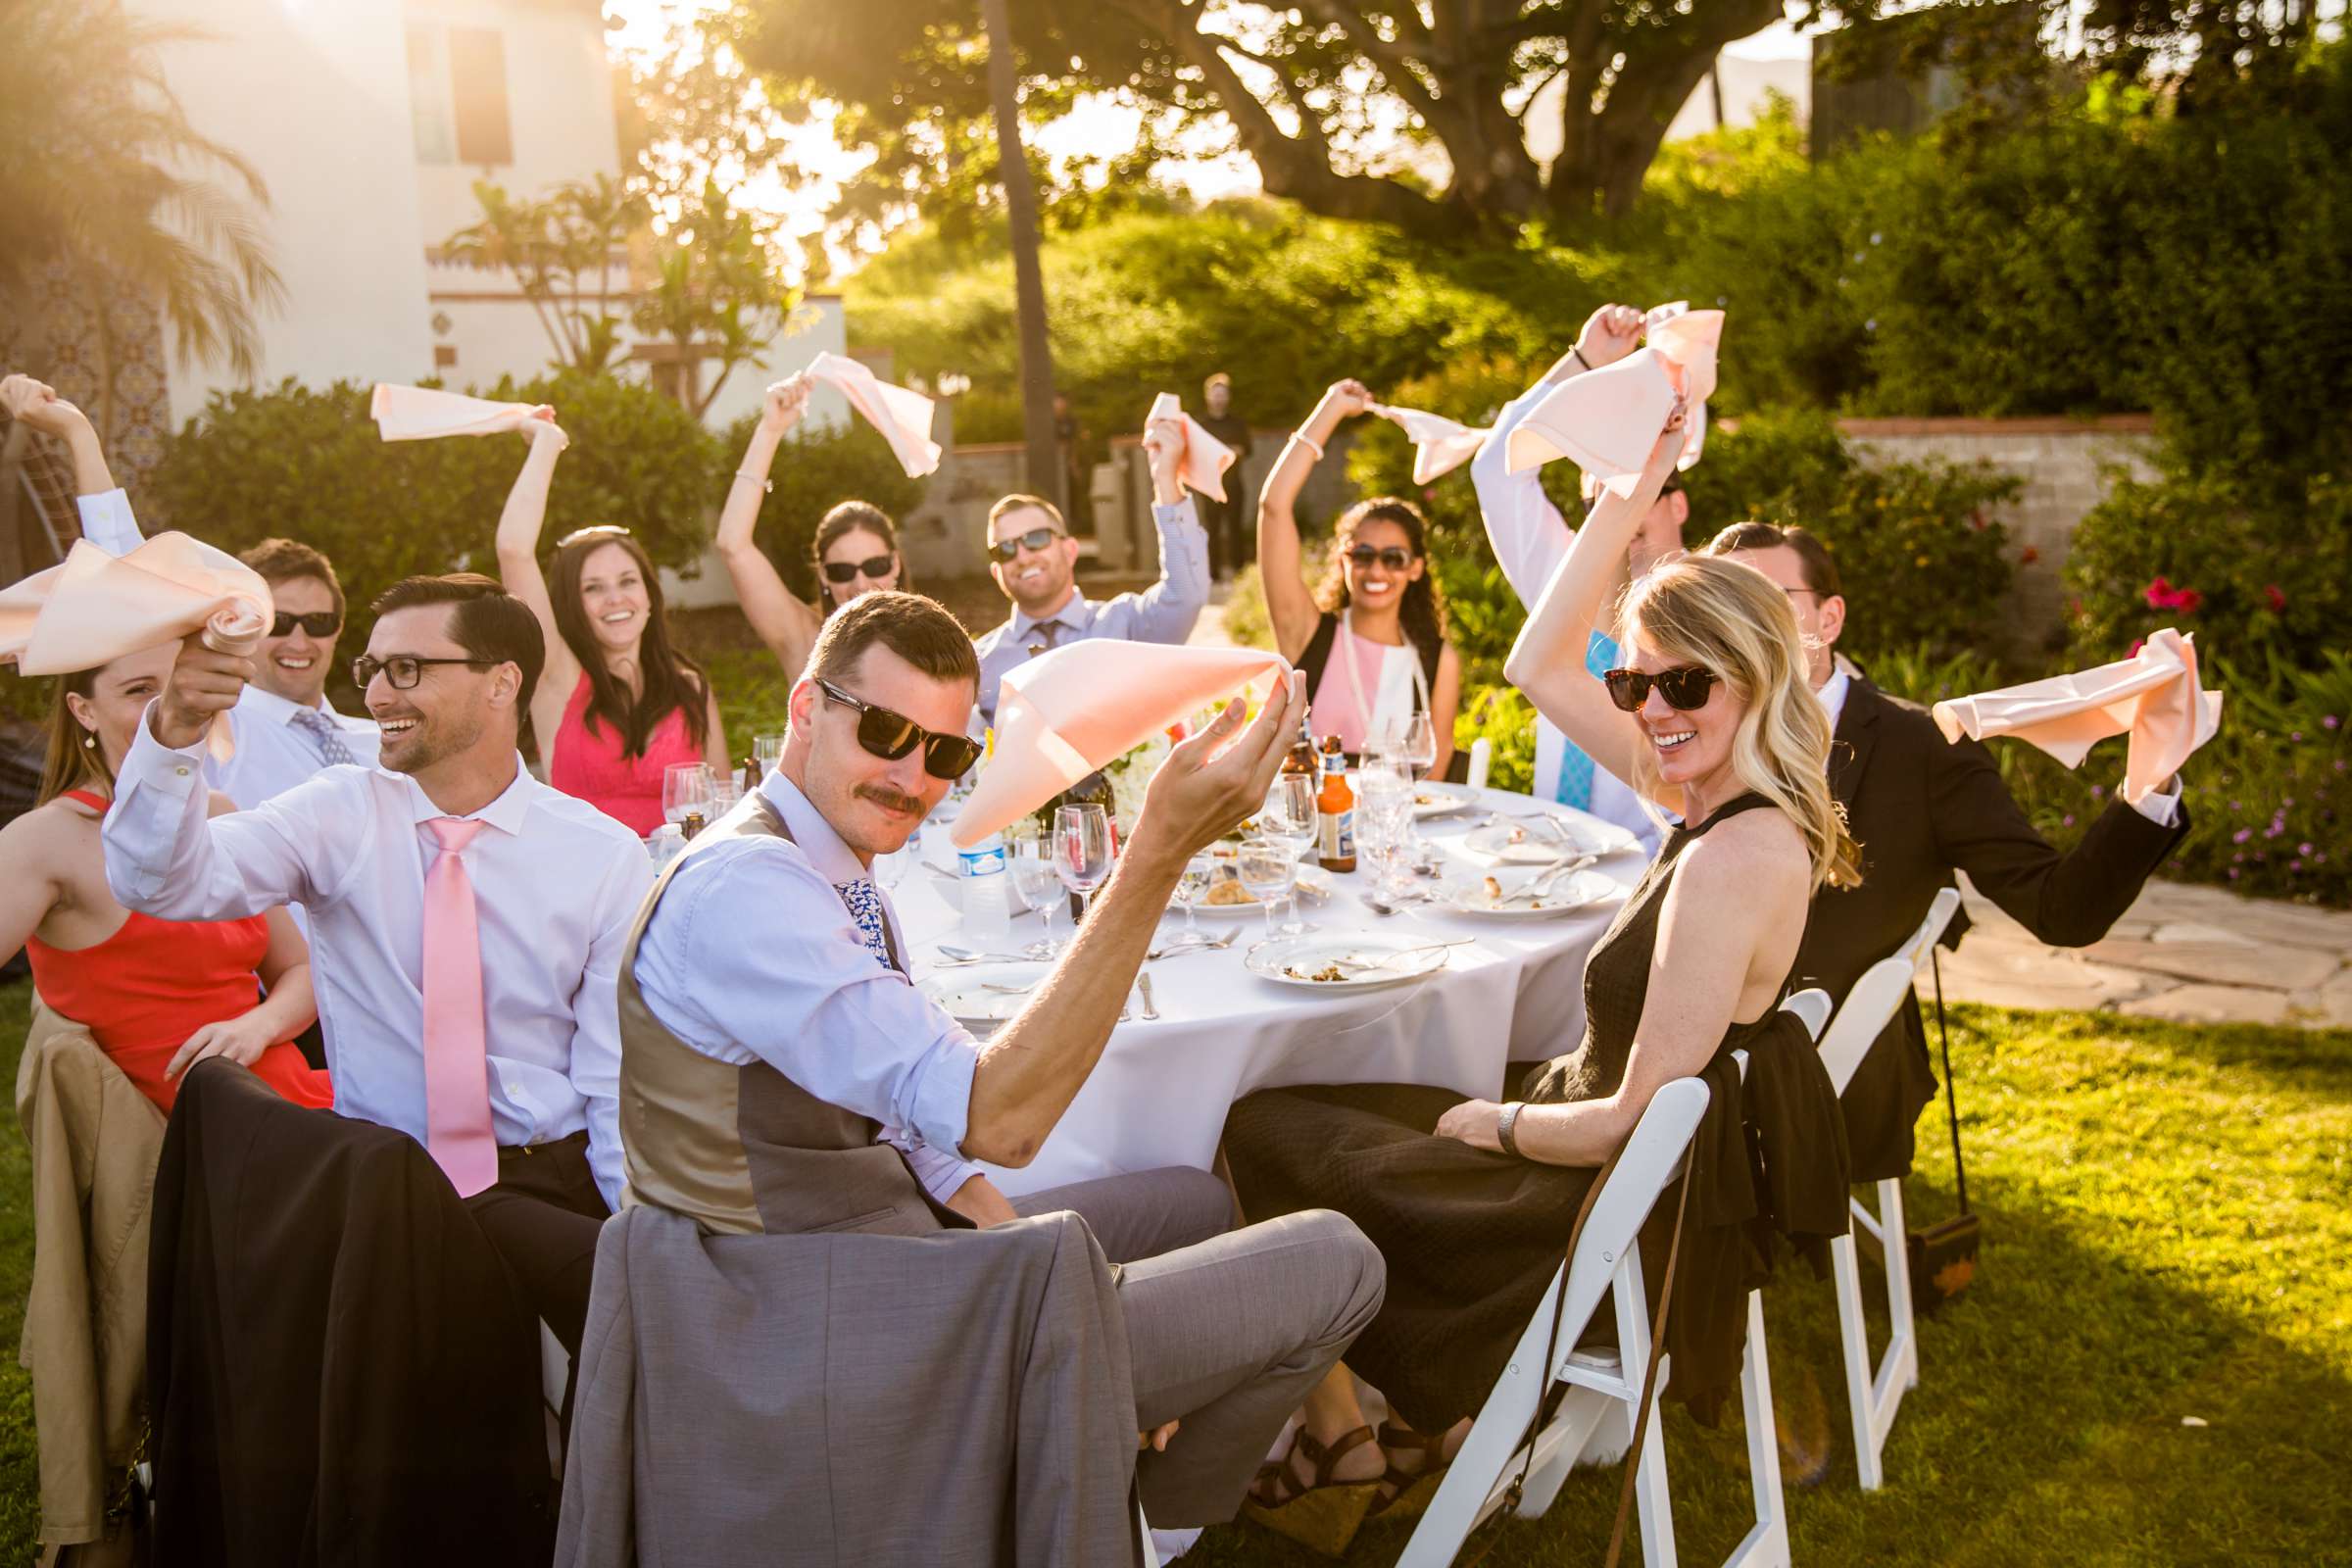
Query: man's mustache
{"points": [[883, 796]]}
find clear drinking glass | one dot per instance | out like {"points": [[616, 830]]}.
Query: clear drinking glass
{"points": [[686, 787], [1417, 747], [1037, 880], [1082, 851], [1268, 868], [1288, 818], [767, 749], [1384, 812], [1191, 888]]}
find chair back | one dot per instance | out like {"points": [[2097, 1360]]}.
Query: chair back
{"points": [[1812, 1008], [1883, 988]]}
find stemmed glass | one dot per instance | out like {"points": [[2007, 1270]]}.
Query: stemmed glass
{"points": [[1288, 818], [1267, 868], [1417, 746], [687, 788], [1082, 851], [1037, 879], [1191, 888]]}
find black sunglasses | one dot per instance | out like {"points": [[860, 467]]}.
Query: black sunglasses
{"points": [[1034, 539], [1685, 687], [323, 623], [890, 736], [402, 670], [1394, 558], [850, 570]]}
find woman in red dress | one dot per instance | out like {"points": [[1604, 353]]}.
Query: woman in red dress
{"points": [[617, 705], [157, 994]]}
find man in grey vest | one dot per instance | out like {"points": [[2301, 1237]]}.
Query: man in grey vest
{"points": [[780, 1075]]}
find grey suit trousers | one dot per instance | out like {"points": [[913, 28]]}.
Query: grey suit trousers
{"points": [[1226, 1330]]}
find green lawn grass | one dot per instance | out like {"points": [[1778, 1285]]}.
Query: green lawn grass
{"points": [[2168, 1221]]}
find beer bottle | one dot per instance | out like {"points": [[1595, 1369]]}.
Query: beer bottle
{"points": [[1335, 812]]}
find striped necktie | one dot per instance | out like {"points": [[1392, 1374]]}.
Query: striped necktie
{"points": [[1575, 784]]}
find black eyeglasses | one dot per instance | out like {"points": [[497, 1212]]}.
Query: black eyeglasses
{"points": [[890, 736], [1685, 687], [877, 567], [1392, 558], [1034, 539], [402, 670], [324, 623]]}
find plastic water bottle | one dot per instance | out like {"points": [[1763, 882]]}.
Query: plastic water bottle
{"points": [[986, 883]]}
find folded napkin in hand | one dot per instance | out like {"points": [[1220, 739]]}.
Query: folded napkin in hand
{"points": [[1440, 445], [1607, 420], [2153, 697], [902, 416], [1067, 713], [423, 412], [1206, 457], [94, 608]]}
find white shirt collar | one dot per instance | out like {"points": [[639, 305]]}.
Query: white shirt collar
{"points": [[278, 709], [833, 859], [1832, 693], [505, 813]]}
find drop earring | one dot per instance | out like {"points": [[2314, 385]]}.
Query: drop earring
{"points": [[89, 741]]}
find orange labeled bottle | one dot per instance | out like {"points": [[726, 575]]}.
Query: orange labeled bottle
{"points": [[1335, 812]]}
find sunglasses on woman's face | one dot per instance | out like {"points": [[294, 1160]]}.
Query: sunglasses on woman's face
{"points": [[874, 566], [1392, 558], [322, 624], [1034, 540], [890, 736], [1683, 687]]}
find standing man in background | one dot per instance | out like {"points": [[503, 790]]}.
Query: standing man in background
{"points": [[1232, 543]]}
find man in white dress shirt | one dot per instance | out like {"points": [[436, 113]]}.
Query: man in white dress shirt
{"points": [[469, 920], [773, 1044], [283, 727]]}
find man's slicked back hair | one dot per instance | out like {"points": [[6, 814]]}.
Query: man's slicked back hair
{"points": [[490, 624], [1820, 569], [917, 628]]}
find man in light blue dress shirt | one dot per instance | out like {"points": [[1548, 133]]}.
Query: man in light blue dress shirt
{"points": [[1035, 561], [771, 959]]}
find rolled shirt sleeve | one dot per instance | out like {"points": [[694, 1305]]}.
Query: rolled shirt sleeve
{"points": [[751, 954], [1165, 612]]}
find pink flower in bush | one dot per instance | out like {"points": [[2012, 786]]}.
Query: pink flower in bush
{"points": [[2159, 595], [2162, 595], [2278, 600]]}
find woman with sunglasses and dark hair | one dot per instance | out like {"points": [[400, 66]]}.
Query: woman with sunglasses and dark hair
{"points": [[1372, 640], [857, 547], [618, 704]]}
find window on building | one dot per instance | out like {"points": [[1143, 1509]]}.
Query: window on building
{"points": [[458, 96]]}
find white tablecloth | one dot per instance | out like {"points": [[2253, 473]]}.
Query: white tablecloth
{"points": [[1158, 1096]]}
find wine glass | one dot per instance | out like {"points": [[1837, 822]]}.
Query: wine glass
{"points": [[1417, 747], [1268, 867], [1383, 800], [687, 789], [1191, 888], [1290, 819], [766, 750], [1082, 851], [1037, 880]]}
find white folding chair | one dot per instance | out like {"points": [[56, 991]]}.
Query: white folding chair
{"points": [[1874, 1395], [1481, 757]]}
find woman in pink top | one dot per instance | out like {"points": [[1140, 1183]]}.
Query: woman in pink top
{"points": [[618, 704], [1372, 641]]}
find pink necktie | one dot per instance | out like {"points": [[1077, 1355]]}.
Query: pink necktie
{"points": [[457, 1066]]}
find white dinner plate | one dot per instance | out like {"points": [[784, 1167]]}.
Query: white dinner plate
{"points": [[1313, 881], [1571, 891], [1540, 840], [964, 991], [1439, 800], [1295, 960]]}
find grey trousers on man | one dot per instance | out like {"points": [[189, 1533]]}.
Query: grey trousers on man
{"points": [[1227, 1329]]}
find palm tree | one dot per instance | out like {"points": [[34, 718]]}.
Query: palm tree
{"points": [[101, 171], [1028, 278]]}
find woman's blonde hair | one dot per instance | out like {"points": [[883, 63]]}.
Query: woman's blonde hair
{"points": [[1733, 619]]}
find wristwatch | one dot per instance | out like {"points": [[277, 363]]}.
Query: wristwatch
{"points": [[1505, 1129]]}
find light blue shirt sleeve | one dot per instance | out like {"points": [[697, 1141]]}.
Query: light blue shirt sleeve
{"points": [[595, 1067], [751, 954], [1165, 612]]}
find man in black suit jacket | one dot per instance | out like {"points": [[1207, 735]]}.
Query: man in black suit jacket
{"points": [[1922, 809]]}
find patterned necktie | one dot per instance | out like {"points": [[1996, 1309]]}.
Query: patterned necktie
{"points": [[1045, 636], [322, 731], [1575, 785], [456, 1062], [863, 901]]}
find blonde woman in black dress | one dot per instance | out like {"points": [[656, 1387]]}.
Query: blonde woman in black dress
{"points": [[1471, 1200]]}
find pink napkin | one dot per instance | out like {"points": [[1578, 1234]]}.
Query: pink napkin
{"points": [[904, 417], [2153, 697], [1206, 457], [1440, 445], [1606, 421], [92, 607], [1065, 714], [421, 413]]}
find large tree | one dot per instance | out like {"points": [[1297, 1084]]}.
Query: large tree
{"points": [[1413, 111]]}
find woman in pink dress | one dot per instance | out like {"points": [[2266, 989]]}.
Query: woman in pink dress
{"points": [[618, 704]]}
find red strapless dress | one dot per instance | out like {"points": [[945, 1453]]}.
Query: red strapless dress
{"points": [[588, 763], [152, 984]]}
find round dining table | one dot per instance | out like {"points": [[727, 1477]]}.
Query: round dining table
{"points": [[1512, 990]]}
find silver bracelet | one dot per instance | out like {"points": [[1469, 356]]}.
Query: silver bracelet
{"points": [[1506, 1127], [1308, 442], [767, 484]]}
